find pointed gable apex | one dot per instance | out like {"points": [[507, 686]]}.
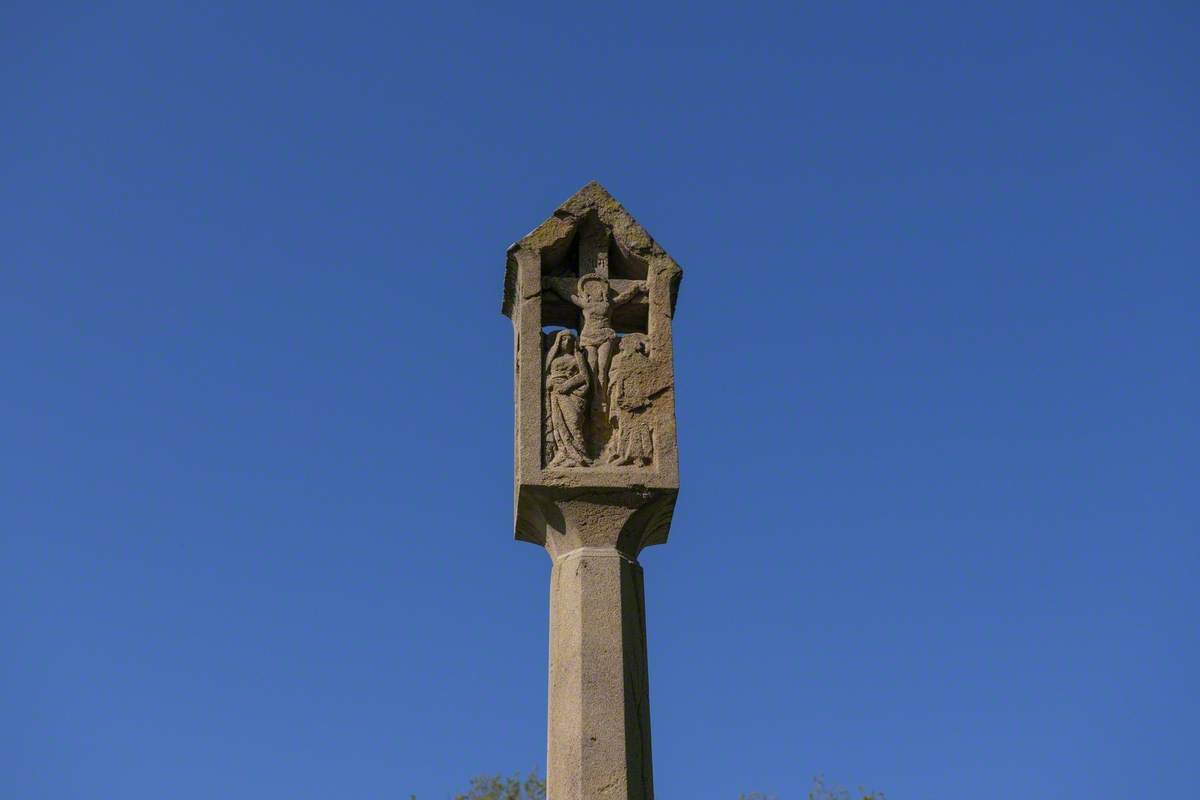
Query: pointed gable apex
{"points": [[592, 199]]}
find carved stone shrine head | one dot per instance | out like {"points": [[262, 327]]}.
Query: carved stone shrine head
{"points": [[592, 284]]}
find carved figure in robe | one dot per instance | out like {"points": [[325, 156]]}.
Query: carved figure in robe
{"points": [[595, 299], [568, 385], [630, 392]]}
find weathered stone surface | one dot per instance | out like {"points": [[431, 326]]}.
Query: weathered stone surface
{"points": [[593, 410], [591, 297], [598, 742]]}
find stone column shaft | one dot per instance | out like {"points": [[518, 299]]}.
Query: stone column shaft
{"points": [[598, 737]]}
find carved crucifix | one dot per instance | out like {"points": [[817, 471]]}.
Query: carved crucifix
{"points": [[597, 301]]}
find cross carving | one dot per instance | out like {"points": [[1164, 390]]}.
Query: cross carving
{"points": [[593, 258]]}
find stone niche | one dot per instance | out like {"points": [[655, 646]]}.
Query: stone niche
{"points": [[591, 296]]}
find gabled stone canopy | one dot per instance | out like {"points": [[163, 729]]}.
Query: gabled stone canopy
{"points": [[594, 366], [556, 233]]}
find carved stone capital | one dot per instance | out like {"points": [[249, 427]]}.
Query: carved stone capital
{"points": [[563, 520]]}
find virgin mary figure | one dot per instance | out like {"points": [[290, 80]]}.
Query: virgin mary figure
{"points": [[568, 384]]}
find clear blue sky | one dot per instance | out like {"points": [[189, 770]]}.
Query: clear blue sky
{"points": [[937, 379]]}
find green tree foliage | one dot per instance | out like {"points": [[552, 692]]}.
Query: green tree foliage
{"points": [[822, 792], [494, 787], [533, 787]]}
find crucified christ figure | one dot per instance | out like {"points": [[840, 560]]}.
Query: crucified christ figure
{"points": [[595, 299]]}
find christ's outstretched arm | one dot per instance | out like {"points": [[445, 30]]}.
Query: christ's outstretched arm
{"points": [[570, 298], [630, 293]]}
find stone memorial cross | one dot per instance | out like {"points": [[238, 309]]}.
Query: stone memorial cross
{"points": [[591, 296]]}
